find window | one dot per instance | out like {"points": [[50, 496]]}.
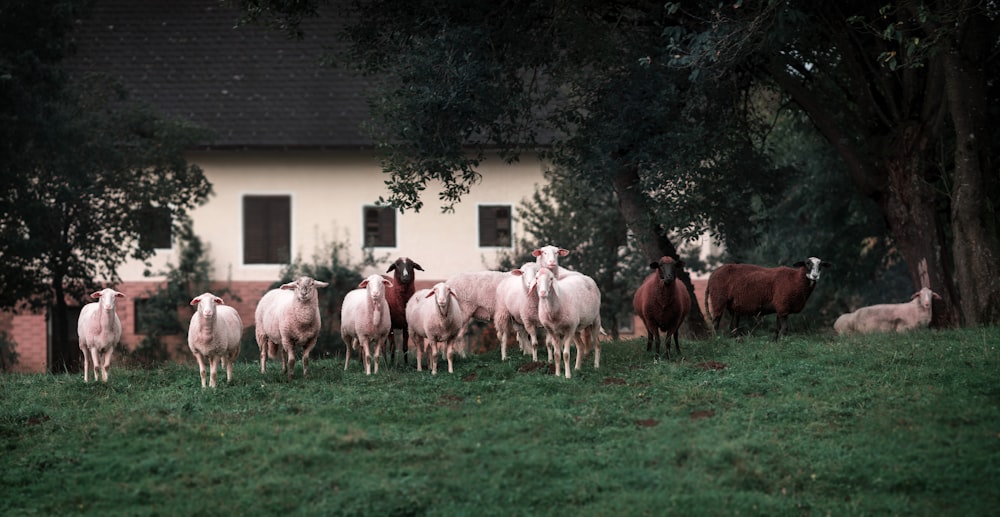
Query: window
{"points": [[154, 227], [267, 227], [494, 226], [380, 226]]}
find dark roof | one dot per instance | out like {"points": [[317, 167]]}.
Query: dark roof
{"points": [[253, 86]]}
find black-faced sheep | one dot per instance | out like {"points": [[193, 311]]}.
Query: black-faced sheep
{"points": [[288, 317], [750, 290], [889, 317], [214, 334], [100, 330], [662, 303], [404, 275]]}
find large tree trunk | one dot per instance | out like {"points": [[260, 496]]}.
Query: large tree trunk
{"points": [[908, 205], [975, 245], [653, 239]]}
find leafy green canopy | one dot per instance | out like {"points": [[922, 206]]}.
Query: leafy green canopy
{"points": [[80, 164]]}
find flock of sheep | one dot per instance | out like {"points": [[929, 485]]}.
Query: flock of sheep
{"points": [[540, 294]]}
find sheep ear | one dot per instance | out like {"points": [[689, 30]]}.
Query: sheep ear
{"points": [[452, 293], [363, 284], [320, 285], [915, 295], [563, 253], [95, 294], [196, 300], [388, 283], [119, 295], [289, 285], [936, 296], [416, 266], [825, 264], [654, 265], [516, 272], [536, 253], [219, 301], [680, 263], [392, 267], [430, 292]]}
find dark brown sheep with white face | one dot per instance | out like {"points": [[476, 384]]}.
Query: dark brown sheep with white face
{"points": [[402, 289], [662, 302], [750, 290]]}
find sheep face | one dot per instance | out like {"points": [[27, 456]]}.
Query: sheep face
{"points": [[544, 283], [206, 303], [404, 267], [375, 285], [926, 297], [812, 265], [107, 298], [666, 268], [548, 256], [305, 287], [441, 292]]}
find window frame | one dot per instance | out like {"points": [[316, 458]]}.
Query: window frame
{"points": [[496, 243], [272, 252], [384, 234]]}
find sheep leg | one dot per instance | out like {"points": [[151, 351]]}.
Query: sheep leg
{"points": [[201, 368], [677, 342], [378, 348], [347, 354], [305, 357], [105, 362], [366, 355], [449, 348], [213, 364], [406, 347], [567, 345], [597, 347], [432, 348], [86, 364], [289, 362], [782, 328], [581, 348], [228, 363]]}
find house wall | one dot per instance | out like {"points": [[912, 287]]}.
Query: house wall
{"points": [[328, 190]]}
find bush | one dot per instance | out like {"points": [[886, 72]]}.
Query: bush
{"points": [[8, 353]]}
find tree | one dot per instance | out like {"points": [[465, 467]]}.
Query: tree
{"points": [[881, 83], [658, 102], [83, 164]]}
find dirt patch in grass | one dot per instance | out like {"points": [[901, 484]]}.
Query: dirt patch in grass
{"points": [[611, 381], [710, 365], [471, 377], [649, 422], [450, 401], [705, 413]]}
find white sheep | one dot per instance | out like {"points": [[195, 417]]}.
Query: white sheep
{"points": [[214, 333], [889, 317], [365, 320], [435, 319], [477, 294], [99, 330], [288, 317], [548, 257], [517, 310], [567, 306]]}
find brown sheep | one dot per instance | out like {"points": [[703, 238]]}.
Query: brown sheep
{"points": [[404, 275], [662, 302], [750, 290]]}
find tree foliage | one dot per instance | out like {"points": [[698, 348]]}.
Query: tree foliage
{"points": [[662, 103]]}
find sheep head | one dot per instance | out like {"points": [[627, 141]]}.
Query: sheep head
{"points": [[666, 268], [206, 303], [107, 298], [403, 268], [305, 287], [441, 293], [926, 297], [812, 266], [548, 256]]}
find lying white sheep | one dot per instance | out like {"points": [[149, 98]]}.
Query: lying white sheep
{"points": [[889, 317], [365, 320], [288, 317], [435, 319], [567, 306], [99, 330], [214, 334]]}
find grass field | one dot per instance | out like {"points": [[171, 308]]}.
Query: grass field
{"points": [[813, 425]]}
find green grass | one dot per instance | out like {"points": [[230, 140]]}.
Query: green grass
{"points": [[818, 425]]}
